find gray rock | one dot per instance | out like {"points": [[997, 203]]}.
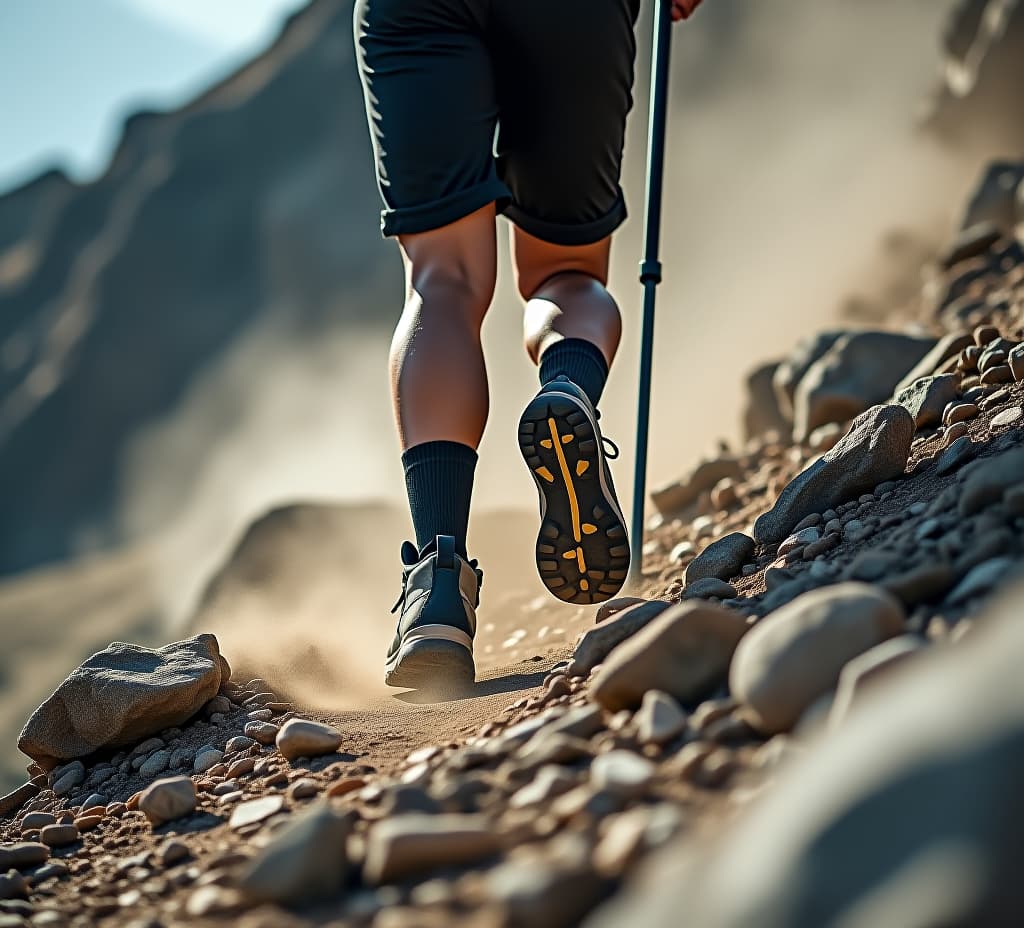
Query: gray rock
{"points": [[958, 452], [721, 559], [58, 835], [621, 773], [122, 694], [980, 579], [685, 652], [13, 886], [408, 845], [790, 372], [219, 705], [549, 781], [947, 347], [875, 449], [1006, 417], [68, 777], [796, 654], [207, 757], [849, 834], [22, 855], [708, 587], [156, 763], [986, 480], [1016, 362], [855, 531], [865, 670], [305, 861], [93, 800], [544, 892], [303, 738], [33, 821], [172, 851], [659, 718], [581, 722], [255, 810], [238, 743], [927, 398], [169, 799], [761, 413], [801, 537], [595, 644], [858, 371], [261, 732]]}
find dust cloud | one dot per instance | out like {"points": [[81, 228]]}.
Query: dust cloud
{"points": [[792, 149]]}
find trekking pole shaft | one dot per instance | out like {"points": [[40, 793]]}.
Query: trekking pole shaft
{"points": [[650, 267]]}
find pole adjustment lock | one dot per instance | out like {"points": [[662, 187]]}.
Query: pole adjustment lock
{"points": [[650, 271]]}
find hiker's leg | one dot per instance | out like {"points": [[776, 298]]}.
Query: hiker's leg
{"points": [[432, 111], [564, 92], [572, 324], [438, 378]]}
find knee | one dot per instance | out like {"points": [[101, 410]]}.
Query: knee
{"points": [[452, 288], [543, 282]]}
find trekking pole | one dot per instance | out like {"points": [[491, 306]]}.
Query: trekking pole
{"points": [[650, 267]]}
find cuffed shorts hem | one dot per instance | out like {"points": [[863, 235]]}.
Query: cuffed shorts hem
{"points": [[407, 220], [557, 233]]}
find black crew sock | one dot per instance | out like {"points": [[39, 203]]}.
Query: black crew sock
{"points": [[579, 360], [439, 481]]}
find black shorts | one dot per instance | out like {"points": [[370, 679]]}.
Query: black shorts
{"points": [[518, 102]]}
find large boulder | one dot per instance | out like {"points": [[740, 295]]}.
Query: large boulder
{"points": [[123, 694], [874, 450], [909, 814], [791, 371], [859, 370], [797, 653]]}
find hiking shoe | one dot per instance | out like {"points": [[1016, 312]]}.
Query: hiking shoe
{"points": [[582, 550], [433, 647]]}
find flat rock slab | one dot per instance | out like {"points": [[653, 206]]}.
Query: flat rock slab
{"points": [[121, 695], [406, 845], [255, 810]]}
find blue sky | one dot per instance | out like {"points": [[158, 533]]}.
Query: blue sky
{"points": [[71, 70]]}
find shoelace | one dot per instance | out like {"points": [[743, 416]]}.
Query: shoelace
{"points": [[611, 449]]}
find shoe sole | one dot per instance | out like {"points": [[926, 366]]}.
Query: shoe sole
{"points": [[431, 664], [582, 547]]}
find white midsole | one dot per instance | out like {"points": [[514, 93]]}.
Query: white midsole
{"points": [[429, 633], [605, 489]]}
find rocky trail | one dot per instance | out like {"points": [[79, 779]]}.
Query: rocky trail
{"points": [[812, 714]]}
